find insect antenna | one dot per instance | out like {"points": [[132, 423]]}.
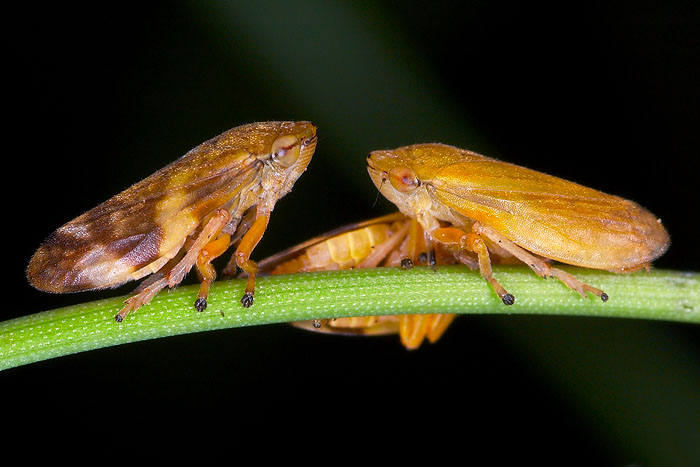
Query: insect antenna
{"points": [[379, 190]]}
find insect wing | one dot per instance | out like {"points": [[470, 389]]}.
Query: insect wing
{"points": [[550, 216], [146, 223]]}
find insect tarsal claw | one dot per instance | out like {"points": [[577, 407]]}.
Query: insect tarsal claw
{"points": [[508, 299], [247, 300]]}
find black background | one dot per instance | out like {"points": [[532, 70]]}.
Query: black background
{"points": [[605, 94]]}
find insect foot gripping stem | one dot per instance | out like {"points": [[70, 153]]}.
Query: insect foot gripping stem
{"points": [[143, 296], [539, 266], [477, 245], [457, 239], [248, 243]]}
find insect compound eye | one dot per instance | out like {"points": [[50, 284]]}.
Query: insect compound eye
{"points": [[285, 150], [403, 179]]}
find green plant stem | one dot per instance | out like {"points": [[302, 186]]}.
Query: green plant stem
{"points": [[661, 295]]}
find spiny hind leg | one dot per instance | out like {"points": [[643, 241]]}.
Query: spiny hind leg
{"points": [[147, 289], [540, 266], [210, 231], [144, 295], [175, 270]]}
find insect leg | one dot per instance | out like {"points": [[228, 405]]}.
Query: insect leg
{"points": [[538, 265], [457, 239], [144, 296], [467, 259], [241, 228], [383, 249], [413, 246], [242, 254], [149, 289], [440, 322], [429, 251], [439, 325], [211, 230], [211, 251], [413, 329], [477, 245]]}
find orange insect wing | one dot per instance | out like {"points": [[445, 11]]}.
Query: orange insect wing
{"points": [[546, 215]]}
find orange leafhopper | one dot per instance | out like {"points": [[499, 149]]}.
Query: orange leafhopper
{"points": [[384, 241], [492, 206], [221, 193]]}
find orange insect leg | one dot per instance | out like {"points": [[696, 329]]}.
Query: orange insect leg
{"points": [[242, 254], [381, 251], [179, 270], [211, 230], [540, 266], [238, 232], [211, 251], [456, 238], [451, 236], [414, 246], [413, 329], [439, 325], [144, 296]]}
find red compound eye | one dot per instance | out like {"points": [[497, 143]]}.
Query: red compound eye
{"points": [[403, 179]]}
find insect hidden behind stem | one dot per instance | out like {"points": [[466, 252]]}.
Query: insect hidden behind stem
{"points": [[383, 241], [183, 216], [493, 206]]}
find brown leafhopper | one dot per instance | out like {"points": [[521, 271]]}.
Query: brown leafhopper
{"points": [[219, 194]]}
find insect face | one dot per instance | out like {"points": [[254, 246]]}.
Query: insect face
{"points": [[395, 180], [405, 178]]}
